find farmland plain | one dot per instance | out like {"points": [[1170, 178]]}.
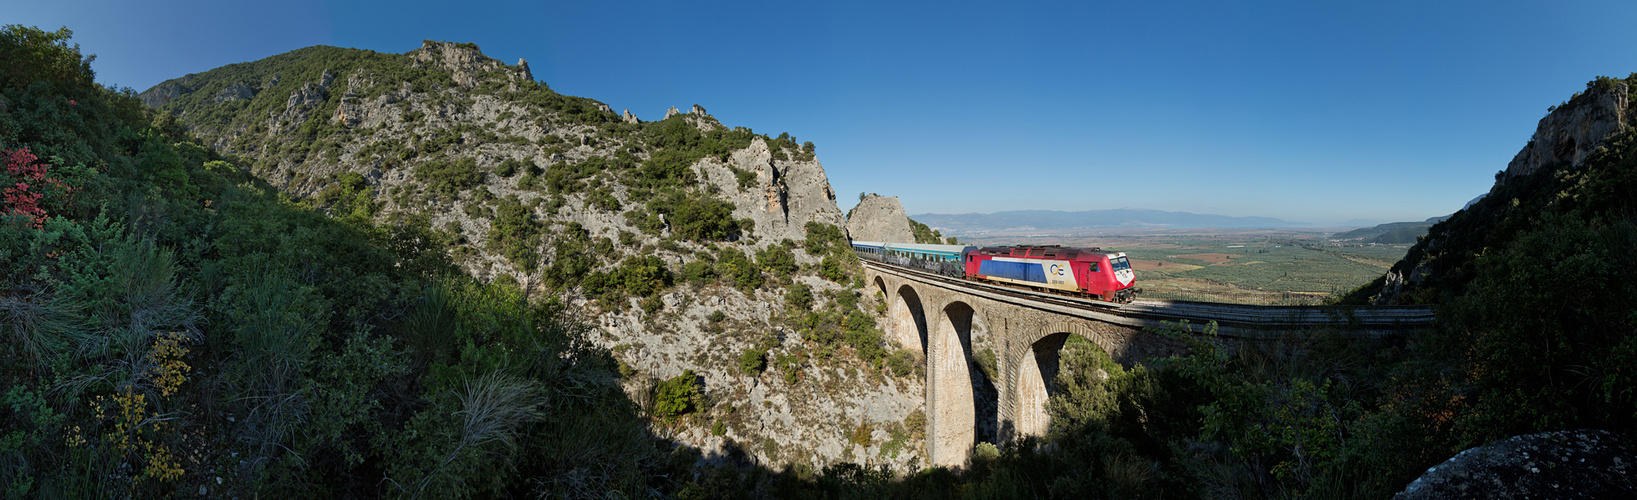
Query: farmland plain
{"points": [[1234, 265]]}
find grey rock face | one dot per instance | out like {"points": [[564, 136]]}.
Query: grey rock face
{"points": [[1562, 464], [698, 111], [880, 218], [233, 92], [160, 95], [466, 64], [523, 69], [630, 118], [1569, 133], [671, 112], [784, 197]]}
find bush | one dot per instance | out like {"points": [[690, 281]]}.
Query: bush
{"points": [[861, 434], [799, 297], [732, 264], [777, 260], [903, 362], [515, 233], [448, 178], [824, 239], [678, 396], [832, 269], [508, 168], [753, 361], [698, 272]]}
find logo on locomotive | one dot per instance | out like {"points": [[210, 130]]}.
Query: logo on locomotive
{"points": [[1058, 269]]}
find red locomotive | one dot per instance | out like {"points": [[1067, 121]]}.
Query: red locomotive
{"points": [[1093, 271]]}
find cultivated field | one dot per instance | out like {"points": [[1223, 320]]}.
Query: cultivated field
{"points": [[1240, 266]]}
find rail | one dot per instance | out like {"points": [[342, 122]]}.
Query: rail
{"points": [[1233, 320]]}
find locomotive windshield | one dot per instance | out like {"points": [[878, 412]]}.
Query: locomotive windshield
{"points": [[1119, 264]]}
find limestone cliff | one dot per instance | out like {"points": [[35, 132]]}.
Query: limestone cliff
{"points": [[1574, 129], [879, 218]]}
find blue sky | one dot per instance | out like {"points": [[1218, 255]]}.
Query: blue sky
{"points": [[1307, 111]]}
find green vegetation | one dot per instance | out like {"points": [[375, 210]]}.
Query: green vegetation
{"points": [[753, 361], [1392, 233], [172, 320], [169, 319], [449, 178], [925, 234], [678, 396], [515, 234], [635, 276]]}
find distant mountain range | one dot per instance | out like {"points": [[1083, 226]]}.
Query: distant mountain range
{"points": [[1052, 220]]}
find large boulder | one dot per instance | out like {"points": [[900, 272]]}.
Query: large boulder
{"points": [[880, 218], [1562, 464]]}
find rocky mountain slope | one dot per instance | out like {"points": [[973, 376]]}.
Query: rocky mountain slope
{"points": [[1577, 165], [690, 243], [879, 218]]}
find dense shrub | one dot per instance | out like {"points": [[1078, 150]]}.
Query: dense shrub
{"points": [[515, 233], [449, 178], [753, 361], [799, 297], [732, 265], [678, 396]]}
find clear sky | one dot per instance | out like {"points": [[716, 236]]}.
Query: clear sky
{"points": [[1307, 110]]}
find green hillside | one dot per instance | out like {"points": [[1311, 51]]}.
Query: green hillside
{"points": [[1391, 233], [173, 324], [282, 283]]}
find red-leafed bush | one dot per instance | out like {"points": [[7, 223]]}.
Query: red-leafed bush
{"points": [[28, 182]]}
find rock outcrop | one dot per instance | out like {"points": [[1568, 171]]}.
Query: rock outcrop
{"points": [[784, 197], [630, 118], [467, 65], [523, 69], [880, 218], [671, 112], [1564, 139], [234, 92], [1575, 129], [1562, 464], [161, 94]]}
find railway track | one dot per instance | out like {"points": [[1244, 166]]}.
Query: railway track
{"points": [[1234, 320]]}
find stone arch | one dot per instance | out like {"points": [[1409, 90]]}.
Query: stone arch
{"points": [[906, 319], [962, 399], [1036, 377]]}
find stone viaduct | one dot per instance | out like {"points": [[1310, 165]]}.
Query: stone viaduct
{"points": [[967, 329]]}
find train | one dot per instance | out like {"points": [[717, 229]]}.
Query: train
{"points": [[1094, 272]]}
